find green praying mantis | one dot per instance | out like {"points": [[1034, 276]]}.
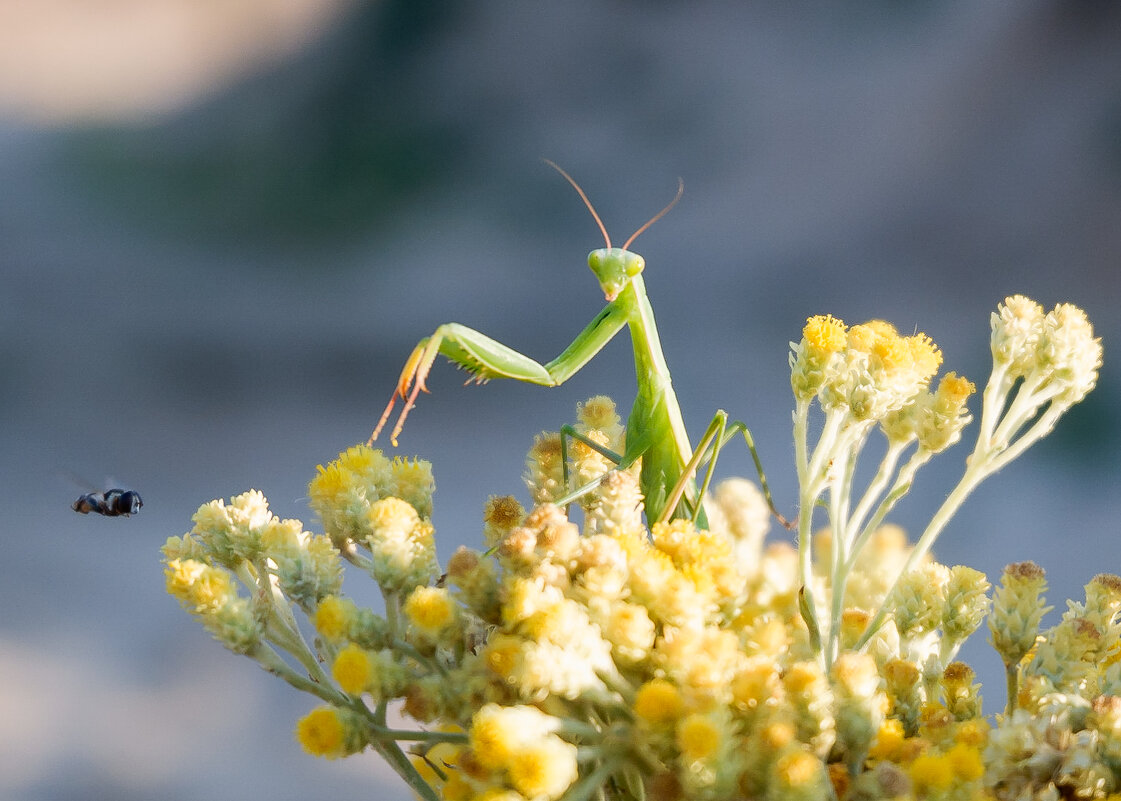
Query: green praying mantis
{"points": [[655, 430]]}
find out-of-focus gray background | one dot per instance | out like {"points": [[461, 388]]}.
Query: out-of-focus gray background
{"points": [[223, 227]]}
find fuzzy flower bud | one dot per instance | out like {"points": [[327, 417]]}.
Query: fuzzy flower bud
{"points": [[543, 769], [1106, 720], [699, 738], [501, 515], [477, 582], [630, 631], [1065, 656], [967, 603], [369, 629], [901, 425], [233, 532], [666, 593], [1017, 610], [308, 567], [1102, 607], [702, 659], [942, 414], [1016, 328], [932, 775], [544, 470], [960, 694], [199, 587], [589, 463], [359, 670], [401, 544], [905, 692], [598, 414], [823, 338], [342, 491], [1069, 352], [431, 610], [709, 763], [884, 371], [619, 511], [747, 519], [497, 732], [600, 568], [333, 617], [186, 547], [331, 732], [596, 420], [757, 685], [353, 669], [558, 539], [210, 593], [860, 704], [412, 482], [811, 698], [920, 599], [658, 703], [797, 776]]}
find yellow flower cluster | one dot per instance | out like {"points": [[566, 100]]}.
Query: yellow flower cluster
{"points": [[599, 657], [867, 376], [869, 370], [671, 658]]}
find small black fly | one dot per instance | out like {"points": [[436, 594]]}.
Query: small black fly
{"points": [[111, 503]]}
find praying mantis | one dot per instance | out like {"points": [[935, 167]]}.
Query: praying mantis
{"points": [[655, 431]]}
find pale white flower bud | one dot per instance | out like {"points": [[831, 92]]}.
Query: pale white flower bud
{"points": [[1016, 327]]}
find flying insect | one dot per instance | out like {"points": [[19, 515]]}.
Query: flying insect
{"points": [[111, 503]]}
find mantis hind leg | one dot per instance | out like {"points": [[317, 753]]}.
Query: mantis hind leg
{"points": [[568, 433], [718, 434], [688, 499]]}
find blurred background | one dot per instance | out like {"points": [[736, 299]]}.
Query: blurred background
{"points": [[223, 226]]}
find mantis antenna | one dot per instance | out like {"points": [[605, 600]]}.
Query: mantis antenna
{"points": [[659, 215], [596, 217], [587, 202]]}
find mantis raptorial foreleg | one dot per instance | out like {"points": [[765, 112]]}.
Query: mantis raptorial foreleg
{"points": [[487, 358]]}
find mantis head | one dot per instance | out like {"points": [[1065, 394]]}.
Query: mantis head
{"points": [[614, 268]]}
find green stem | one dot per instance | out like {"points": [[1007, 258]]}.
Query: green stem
{"points": [[393, 754], [1041, 428], [383, 733], [801, 425], [886, 506], [806, 602], [875, 488], [408, 649], [1023, 407], [1012, 685], [991, 408], [583, 789], [973, 476], [270, 660]]}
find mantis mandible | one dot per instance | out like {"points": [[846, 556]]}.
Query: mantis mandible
{"points": [[655, 430]]}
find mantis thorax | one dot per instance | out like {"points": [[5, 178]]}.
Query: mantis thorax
{"points": [[614, 267]]}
